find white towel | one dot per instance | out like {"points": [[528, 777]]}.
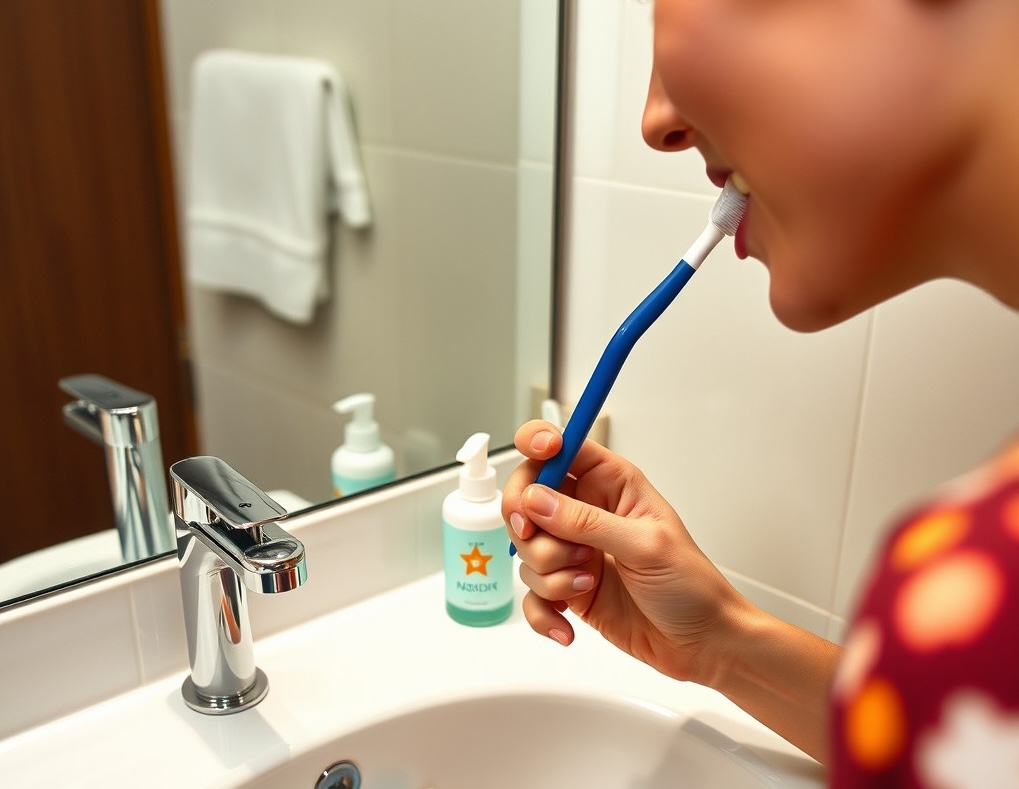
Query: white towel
{"points": [[273, 151]]}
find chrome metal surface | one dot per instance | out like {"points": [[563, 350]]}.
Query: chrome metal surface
{"points": [[342, 775], [224, 705], [124, 422], [227, 541]]}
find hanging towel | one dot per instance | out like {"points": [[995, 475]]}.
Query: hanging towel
{"points": [[273, 152]]}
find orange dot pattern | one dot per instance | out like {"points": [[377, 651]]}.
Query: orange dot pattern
{"points": [[940, 617], [950, 602], [875, 725], [929, 537]]}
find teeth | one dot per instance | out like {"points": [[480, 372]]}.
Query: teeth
{"points": [[739, 183]]}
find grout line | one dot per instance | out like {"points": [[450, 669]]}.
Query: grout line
{"points": [[854, 460], [430, 155], [632, 186]]}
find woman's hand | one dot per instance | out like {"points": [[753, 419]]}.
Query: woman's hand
{"points": [[612, 550]]}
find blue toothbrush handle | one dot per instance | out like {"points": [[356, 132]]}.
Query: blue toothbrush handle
{"points": [[605, 373]]}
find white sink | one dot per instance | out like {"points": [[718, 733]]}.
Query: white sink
{"points": [[534, 740], [417, 701]]}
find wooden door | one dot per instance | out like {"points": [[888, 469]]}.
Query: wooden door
{"points": [[89, 258]]}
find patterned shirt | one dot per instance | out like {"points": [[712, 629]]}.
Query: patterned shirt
{"points": [[927, 693]]}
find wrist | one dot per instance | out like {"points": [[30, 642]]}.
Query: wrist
{"points": [[740, 630], [778, 673]]}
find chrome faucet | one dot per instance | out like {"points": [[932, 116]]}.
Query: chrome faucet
{"points": [[227, 539], [124, 422]]}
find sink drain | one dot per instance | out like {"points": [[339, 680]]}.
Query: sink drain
{"points": [[342, 775]]}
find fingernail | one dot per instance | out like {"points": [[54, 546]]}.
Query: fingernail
{"points": [[541, 440], [541, 500], [558, 635], [583, 582], [517, 523]]}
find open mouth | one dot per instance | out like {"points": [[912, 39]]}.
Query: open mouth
{"points": [[719, 176]]}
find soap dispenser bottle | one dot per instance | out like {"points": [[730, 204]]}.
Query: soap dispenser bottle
{"points": [[479, 569], [362, 461]]}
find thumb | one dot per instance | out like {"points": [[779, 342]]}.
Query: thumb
{"points": [[576, 521]]}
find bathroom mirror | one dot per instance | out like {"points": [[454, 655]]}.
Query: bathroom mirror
{"points": [[441, 308]]}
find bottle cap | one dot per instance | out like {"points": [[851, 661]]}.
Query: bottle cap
{"points": [[477, 477], [361, 434], [552, 412]]}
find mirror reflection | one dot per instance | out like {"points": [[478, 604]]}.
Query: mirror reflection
{"points": [[438, 308]]}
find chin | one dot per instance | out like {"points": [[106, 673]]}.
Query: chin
{"points": [[807, 315]]}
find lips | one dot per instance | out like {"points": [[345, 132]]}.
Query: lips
{"points": [[718, 176], [739, 240]]}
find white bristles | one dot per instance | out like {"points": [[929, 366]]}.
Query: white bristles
{"points": [[725, 218], [728, 209]]}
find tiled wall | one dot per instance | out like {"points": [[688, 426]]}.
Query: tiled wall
{"points": [[785, 454], [443, 147]]}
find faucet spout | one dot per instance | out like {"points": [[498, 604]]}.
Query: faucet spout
{"points": [[228, 540], [266, 558]]}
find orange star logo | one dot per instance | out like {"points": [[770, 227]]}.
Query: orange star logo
{"points": [[476, 561]]}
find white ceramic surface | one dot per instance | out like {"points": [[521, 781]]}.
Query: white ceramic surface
{"points": [[534, 740], [387, 659]]}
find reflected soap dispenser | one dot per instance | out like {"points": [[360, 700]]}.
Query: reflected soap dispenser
{"points": [[479, 569], [362, 461]]}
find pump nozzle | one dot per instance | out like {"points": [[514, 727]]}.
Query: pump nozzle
{"points": [[362, 432], [477, 477]]}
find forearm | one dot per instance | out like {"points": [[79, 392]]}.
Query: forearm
{"points": [[781, 675]]}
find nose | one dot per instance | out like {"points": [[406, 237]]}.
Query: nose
{"points": [[663, 128]]}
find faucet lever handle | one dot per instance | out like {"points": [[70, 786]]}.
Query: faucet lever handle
{"points": [[103, 393], [108, 412], [221, 492]]}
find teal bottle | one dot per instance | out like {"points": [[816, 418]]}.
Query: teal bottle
{"points": [[478, 565]]}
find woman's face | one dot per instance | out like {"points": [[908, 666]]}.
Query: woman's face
{"points": [[838, 116]]}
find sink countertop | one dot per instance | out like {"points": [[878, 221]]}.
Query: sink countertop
{"points": [[337, 673]]}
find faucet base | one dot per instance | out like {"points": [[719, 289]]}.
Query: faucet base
{"points": [[225, 705]]}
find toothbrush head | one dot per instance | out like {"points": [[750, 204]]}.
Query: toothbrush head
{"points": [[728, 209]]}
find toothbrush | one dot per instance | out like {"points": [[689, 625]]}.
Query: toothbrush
{"points": [[725, 218]]}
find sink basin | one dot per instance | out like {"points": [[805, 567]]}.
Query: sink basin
{"points": [[417, 701], [533, 740]]}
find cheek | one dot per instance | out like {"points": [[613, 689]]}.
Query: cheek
{"points": [[827, 229], [831, 260], [837, 259], [841, 204]]}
